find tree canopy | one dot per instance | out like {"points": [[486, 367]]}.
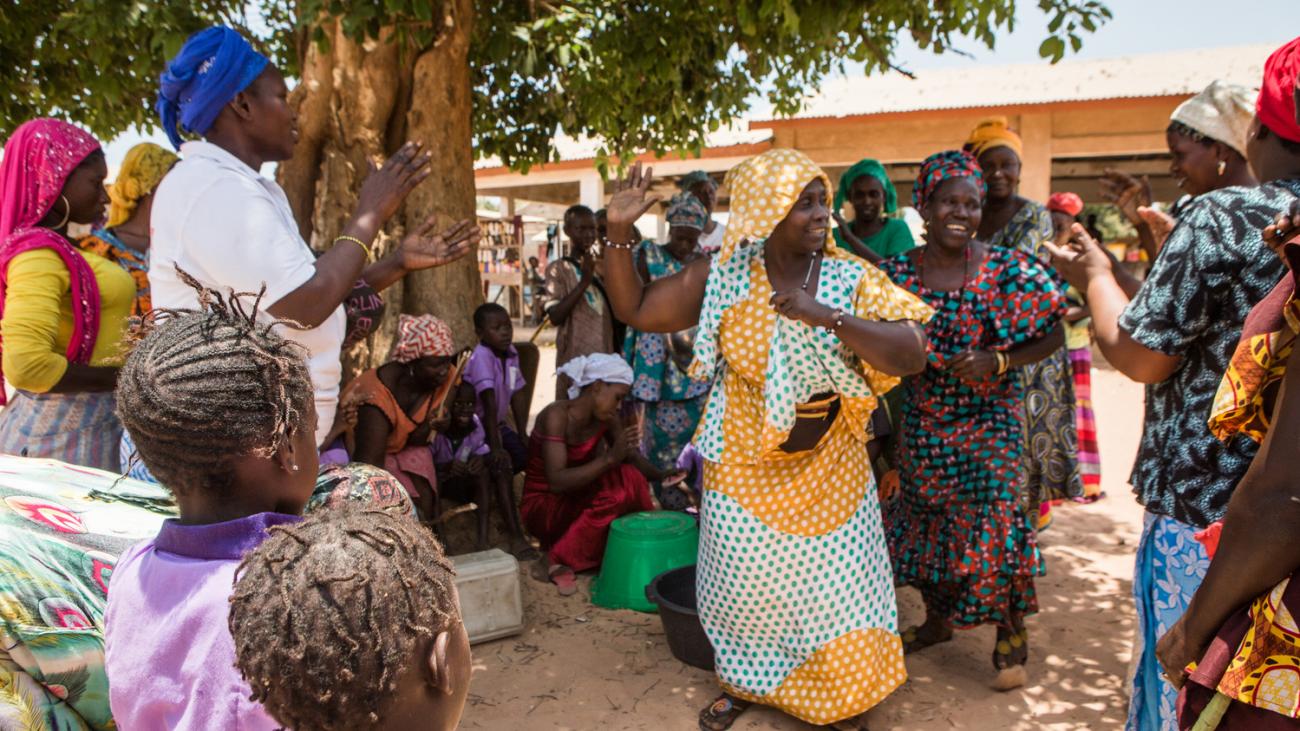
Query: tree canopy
{"points": [[639, 75]]}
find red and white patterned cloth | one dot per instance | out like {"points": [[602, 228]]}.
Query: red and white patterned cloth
{"points": [[419, 336]]}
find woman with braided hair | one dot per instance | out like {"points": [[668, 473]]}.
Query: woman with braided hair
{"points": [[222, 411], [322, 654]]}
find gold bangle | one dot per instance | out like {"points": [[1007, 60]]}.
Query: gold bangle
{"points": [[1004, 361], [358, 242]]}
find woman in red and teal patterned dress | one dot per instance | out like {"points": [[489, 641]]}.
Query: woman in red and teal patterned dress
{"points": [[958, 532]]}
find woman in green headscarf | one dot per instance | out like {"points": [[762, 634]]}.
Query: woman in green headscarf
{"points": [[872, 234]]}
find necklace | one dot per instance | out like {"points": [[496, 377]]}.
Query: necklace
{"points": [[811, 264]]}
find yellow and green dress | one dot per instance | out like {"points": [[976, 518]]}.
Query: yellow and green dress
{"points": [[794, 582]]}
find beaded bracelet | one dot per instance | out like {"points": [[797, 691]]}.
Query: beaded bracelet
{"points": [[358, 242], [606, 243]]}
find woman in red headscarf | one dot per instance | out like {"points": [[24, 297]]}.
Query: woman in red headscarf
{"points": [[1065, 209], [62, 311]]}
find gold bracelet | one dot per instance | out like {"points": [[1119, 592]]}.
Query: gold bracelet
{"points": [[1004, 361], [358, 242]]}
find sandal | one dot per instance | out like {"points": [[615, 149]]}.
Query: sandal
{"points": [[722, 713], [1010, 675], [564, 579], [912, 641]]}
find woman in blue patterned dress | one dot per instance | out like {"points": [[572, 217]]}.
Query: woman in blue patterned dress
{"points": [[672, 400]]}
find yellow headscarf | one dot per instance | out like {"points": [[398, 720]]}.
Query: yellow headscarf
{"points": [[142, 169], [993, 132], [763, 189]]}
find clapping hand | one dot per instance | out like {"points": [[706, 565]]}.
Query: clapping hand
{"points": [[423, 249], [387, 186], [1159, 222], [1127, 193], [630, 201], [1081, 259], [1286, 227]]}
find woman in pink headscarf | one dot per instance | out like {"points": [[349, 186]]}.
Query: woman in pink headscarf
{"points": [[396, 404], [62, 311]]}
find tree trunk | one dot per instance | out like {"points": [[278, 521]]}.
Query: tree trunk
{"points": [[359, 102]]}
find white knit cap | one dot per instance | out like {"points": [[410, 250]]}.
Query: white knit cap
{"points": [[1222, 112], [588, 369]]}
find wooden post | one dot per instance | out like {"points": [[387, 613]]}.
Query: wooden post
{"points": [[1036, 163]]}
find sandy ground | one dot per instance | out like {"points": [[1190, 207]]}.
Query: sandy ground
{"points": [[577, 666]]}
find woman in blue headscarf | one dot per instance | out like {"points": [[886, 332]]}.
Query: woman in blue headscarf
{"points": [[216, 218], [872, 234]]}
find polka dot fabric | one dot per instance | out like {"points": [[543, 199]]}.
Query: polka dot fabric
{"points": [[804, 624]]}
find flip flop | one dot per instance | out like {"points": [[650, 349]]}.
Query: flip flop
{"points": [[1010, 676], [564, 579], [722, 713]]}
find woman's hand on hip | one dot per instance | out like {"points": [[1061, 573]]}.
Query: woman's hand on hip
{"points": [[387, 186]]}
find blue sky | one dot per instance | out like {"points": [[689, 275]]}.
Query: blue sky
{"points": [[1139, 26]]}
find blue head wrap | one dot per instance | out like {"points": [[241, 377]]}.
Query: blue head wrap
{"points": [[687, 211], [212, 67], [690, 180]]}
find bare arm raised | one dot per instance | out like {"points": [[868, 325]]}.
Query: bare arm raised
{"points": [[666, 305]]}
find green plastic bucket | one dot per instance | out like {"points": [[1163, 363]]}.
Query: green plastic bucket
{"points": [[641, 546]]}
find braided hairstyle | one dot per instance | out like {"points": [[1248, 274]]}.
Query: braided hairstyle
{"points": [[204, 388], [327, 613]]}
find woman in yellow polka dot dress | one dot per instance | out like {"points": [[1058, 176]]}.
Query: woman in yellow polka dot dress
{"points": [[799, 337]]}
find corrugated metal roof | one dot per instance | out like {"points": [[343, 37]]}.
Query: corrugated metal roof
{"points": [[1146, 75], [585, 148]]}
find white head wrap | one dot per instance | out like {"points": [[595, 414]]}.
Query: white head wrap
{"points": [[1221, 112], [588, 369]]}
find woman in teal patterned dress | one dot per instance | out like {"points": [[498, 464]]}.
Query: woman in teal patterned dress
{"points": [[1051, 456], [673, 402], [958, 532]]}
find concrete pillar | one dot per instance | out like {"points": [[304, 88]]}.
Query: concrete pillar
{"points": [[1036, 163], [510, 206], [591, 190]]}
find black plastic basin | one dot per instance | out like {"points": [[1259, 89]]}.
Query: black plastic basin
{"points": [[674, 593]]}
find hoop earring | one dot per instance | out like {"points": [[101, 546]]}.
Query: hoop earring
{"points": [[1223, 165], [67, 212]]}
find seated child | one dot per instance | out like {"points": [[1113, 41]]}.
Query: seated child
{"points": [[323, 654], [395, 406], [222, 412], [493, 370], [459, 452], [584, 470]]}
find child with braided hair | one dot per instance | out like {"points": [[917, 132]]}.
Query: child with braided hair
{"points": [[321, 654], [222, 411]]}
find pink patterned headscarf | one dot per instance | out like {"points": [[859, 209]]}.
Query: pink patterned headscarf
{"points": [[419, 336], [38, 158]]}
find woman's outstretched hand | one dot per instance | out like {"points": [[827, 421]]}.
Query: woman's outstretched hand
{"points": [[423, 249], [1127, 193], [630, 201], [388, 185]]}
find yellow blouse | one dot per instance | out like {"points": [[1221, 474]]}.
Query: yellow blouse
{"points": [[37, 323]]}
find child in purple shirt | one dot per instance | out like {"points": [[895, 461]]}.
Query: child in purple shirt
{"points": [[493, 370], [222, 411], [460, 452]]}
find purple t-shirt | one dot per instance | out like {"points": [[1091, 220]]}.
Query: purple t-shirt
{"points": [[486, 370], [167, 646], [445, 451]]}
